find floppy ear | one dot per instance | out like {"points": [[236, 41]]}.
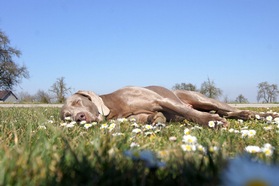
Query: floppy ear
{"points": [[102, 108]]}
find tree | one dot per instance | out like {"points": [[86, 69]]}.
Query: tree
{"points": [[43, 97], [241, 99], [184, 86], [60, 89], [209, 89], [267, 92], [11, 73]]}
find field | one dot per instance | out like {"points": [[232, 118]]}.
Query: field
{"points": [[37, 148]]}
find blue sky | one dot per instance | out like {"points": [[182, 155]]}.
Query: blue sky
{"points": [[103, 45]]}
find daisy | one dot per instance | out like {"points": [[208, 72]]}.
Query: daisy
{"points": [[211, 124], [253, 149], [187, 131], [267, 149], [189, 139], [135, 125], [269, 119], [111, 127], [87, 125], [104, 126], [42, 127], [172, 138], [276, 120], [134, 144], [257, 116], [68, 119], [188, 147], [136, 131], [82, 122], [245, 171], [148, 127]]}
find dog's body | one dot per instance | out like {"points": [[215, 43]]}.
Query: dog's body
{"points": [[149, 104]]}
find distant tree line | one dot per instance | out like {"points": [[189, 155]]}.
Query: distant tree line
{"points": [[267, 93]]}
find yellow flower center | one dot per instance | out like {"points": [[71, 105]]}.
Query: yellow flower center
{"points": [[256, 183]]}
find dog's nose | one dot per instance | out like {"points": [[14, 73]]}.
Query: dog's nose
{"points": [[80, 117]]}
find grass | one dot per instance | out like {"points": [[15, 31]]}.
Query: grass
{"points": [[36, 150]]}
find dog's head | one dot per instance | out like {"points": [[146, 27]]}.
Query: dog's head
{"points": [[84, 106]]}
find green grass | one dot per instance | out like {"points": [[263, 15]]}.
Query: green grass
{"points": [[36, 150]]}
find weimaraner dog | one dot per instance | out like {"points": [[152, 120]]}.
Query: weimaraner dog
{"points": [[151, 104]]}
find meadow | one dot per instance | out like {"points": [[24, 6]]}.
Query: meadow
{"points": [[37, 148]]}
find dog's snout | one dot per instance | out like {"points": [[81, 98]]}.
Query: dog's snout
{"points": [[80, 117]]}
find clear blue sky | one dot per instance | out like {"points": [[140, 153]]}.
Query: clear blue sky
{"points": [[103, 45]]}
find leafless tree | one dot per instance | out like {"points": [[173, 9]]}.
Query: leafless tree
{"points": [[267, 92], [60, 89], [241, 99], [185, 86]]}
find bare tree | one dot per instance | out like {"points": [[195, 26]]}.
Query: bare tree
{"points": [[43, 97], [11, 73], [241, 99], [185, 86], [209, 89], [266, 92], [25, 97], [60, 89]]}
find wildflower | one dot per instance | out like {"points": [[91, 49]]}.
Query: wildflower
{"points": [[240, 121], [211, 124], [201, 148], [243, 170], [267, 149], [213, 149], [111, 127], [135, 125], [188, 147], [70, 125], [276, 120], [136, 131], [42, 127], [257, 116], [187, 131], [248, 133], [146, 156], [189, 139], [253, 149], [134, 144], [118, 134], [132, 120], [269, 119], [121, 120], [270, 127], [104, 126], [149, 133], [172, 138], [82, 122], [87, 125], [68, 119], [148, 127], [50, 121]]}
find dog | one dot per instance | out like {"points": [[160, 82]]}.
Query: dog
{"points": [[152, 104]]}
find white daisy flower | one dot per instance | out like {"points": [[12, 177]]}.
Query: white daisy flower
{"points": [[213, 149], [189, 139], [132, 120], [276, 120], [135, 125], [68, 119], [41, 127], [211, 124], [188, 147], [253, 149], [87, 125], [187, 131], [104, 126], [172, 138], [267, 149], [269, 119], [136, 131], [148, 127], [134, 144], [121, 120], [244, 171], [111, 127], [82, 122], [257, 116], [240, 121]]}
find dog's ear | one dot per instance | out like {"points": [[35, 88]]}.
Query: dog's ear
{"points": [[97, 100]]}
